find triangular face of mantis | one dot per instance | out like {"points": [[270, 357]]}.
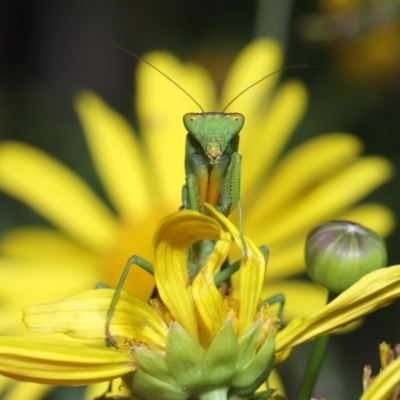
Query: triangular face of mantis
{"points": [[212, 162]]}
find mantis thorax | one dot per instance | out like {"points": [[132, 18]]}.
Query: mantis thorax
{"points": [[213, 131]]}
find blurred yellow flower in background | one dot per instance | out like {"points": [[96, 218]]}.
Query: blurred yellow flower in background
{"points": [[143, 176], [364, 37]]}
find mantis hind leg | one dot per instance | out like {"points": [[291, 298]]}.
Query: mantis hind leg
{"points": [[134, 260]]}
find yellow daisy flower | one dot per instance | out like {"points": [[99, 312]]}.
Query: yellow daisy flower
{"points": [[319, 180], [200, 342]]}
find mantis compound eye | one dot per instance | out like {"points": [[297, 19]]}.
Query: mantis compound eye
{"points": [[192, 122], [235, 122]]}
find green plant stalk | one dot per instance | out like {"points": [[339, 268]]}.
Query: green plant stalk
{"points": [[314, 363]]}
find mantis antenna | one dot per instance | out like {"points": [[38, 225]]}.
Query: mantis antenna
{"points": [[190, 96], [265, 77], [162, 73]]}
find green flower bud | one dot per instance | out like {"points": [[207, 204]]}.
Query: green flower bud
{"points": [[229, 368], [339, 253]]}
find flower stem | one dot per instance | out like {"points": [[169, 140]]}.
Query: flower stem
{"points": [[314, 363], [272, 19]]}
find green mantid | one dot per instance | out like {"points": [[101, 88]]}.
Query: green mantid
{"points": [[212, 168]]}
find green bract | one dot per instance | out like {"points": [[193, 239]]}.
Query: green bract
{"points": [[339, 253], [231, 367]]}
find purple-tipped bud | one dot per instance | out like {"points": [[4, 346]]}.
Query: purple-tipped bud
{"points": [[339, 253]]}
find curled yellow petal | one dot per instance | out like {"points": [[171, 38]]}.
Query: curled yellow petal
{"points": [[207, 297], [251, 272], [84, 316], [375, 290], [58, 362], [171, 244]]}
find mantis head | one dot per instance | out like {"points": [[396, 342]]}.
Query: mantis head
{"points": [[213, 131]]}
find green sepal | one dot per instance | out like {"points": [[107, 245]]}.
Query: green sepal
{"points": [[249, 341], [249, 376], [153, 363], [185, 357], [148, 387], [221, 356]]}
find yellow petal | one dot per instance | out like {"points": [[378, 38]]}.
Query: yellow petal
{"points": [[307, 165], [4, 382], [207, 297], [330, 197], [26, 391], [251, 272], [160, 107], [257, 59], [53, 280], [287, 256], [373, 216], [385, 383], [375, 290], [265, 135], [301, 298], [57, 193], [115, 390], [173, 238], [284, 354], [60, 362], [84, 316], [43, 244], [117, 154]]}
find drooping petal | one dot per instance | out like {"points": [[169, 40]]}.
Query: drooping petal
{"points": [[117, 154], [251, 272], [208, 299], [160, 107], [58, 362], [375, 290], [385, 383], [173, 238], [56, 193], [84, 316], [265, 135]]}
